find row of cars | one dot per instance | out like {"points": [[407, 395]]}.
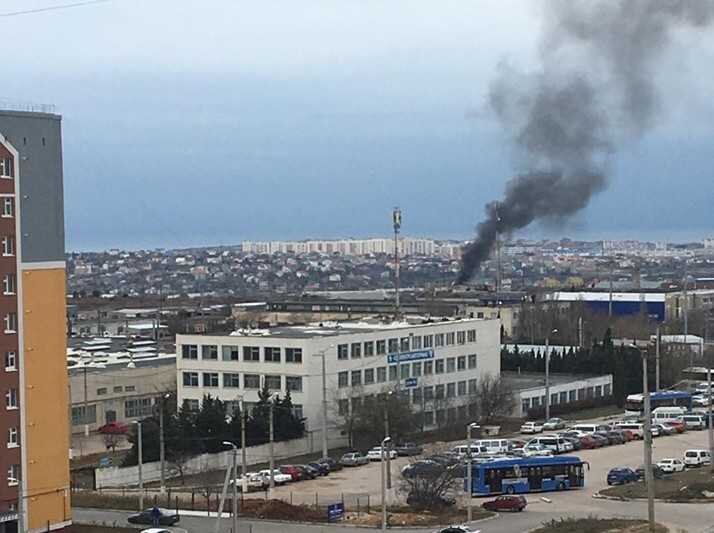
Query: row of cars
{"points": [[257, 481], [669, 465], [407, 449]]}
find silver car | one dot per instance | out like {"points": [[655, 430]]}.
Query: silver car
{"points": [[353, 459]]}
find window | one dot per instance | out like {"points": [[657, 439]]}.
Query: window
{"points": [[461, 337], [428, 393], [392, 372], [381, 347], [450, 390], [342, 352], [251, 353], [137, 408], [210, 379], [273, 382], [404, 344], [473, 386], [381, 374], [572, 395], [471, 335], [439, 338], [356, 350], [416, 369], [343, 407], [12, 437], [190, 379], [553, 398], [13, 475], [369, 349], [8, 207], [342, 379], [210, 352], [80, 416], [231, 353], [189, 351], [11, 399], [6, 168], [251, 381], [428, 368], [368, 376], [405, 371], [272, 355], [393, 345], [607, 389], [428, 341], [472, 360], [293, 383], [101, 391], [416, 395], [461, 363], [439, 366], [598, 391], [450, 364], [8, 246], [9, 283], [356, 378], [461, 388], [10, 361], [525, 405], [563, 397], [118, 388], [439, 392], [450, 338], [191, 405], [11, 323], [297, 411], [416, 342], [231, 380], [130, 388], [293, 355]]}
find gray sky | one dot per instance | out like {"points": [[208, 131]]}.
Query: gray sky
{"points": [[212, 121]]}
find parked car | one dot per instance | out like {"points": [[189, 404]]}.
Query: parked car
{"points": [[587, 442], [574, 441], [615, 436], [604, 441], [628, 434], [670, 465], [536, 450], [621, 475], [506, 503], [531, 428], [678, 425], [308, 471], [253, 481], [322, 468], [664, 429], [279, 478], [375, 454], [166, 517], [693, 421], [697, 457], [424, 468], [553, 443], [655, 431], [353, 459], [553, 423], [293, 471], [408, 449], [155, 530], [457, 529], [332, 464], [656, 472], [636, 428]]}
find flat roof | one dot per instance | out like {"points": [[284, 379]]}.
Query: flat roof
{"points": [[536, 380], [588, 296]]}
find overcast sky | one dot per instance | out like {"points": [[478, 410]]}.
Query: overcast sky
{"points": [[213, 121]]}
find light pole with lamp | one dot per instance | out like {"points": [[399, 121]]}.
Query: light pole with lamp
{"points": [[469, 474], [140, 454], [547, 374], [321, 354], [234, 507], [243, 460], [383, 447], [162, 442]]}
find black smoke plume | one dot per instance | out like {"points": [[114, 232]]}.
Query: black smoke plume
{"points": [[595, 90]]}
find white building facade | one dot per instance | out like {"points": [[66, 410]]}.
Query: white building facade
{"points": [[440, 363]]}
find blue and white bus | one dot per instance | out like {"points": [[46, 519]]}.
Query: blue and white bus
{"points": [[528, 474], [635, 405]]}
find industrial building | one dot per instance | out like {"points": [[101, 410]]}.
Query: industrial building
{"points": [[440, 363], [34, 495]]}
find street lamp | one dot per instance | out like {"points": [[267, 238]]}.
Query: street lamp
{"points": [[162, 445], [141, 460], [385, 442], [321, 354], [471, 426], [547, 374], [235, 484], [242, 444]]}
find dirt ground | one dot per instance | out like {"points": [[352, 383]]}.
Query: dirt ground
{"points": [[690, 485]]}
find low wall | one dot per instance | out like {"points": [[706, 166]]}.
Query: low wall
{"points": [[128, 476]]}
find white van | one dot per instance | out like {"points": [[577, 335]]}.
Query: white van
{"points": [[662, 415], [493, 446], [462, 451], [591, 428], [694, 421], [553, 443], [697, 457], [637, 430]]}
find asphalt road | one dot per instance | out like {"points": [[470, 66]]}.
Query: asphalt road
{"points": [[693, 518]]}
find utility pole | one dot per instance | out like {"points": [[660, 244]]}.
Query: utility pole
{"points": [[243, 458], [234, 509], [469, 466], [648, 443], [386, 435], [658, 338], [272, 445], [86, 405], [397, 223], [383, 447], [547, 375], [141, 460], [324, 401], [162, 442]]}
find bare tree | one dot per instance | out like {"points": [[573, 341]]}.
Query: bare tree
{"points": [[112, 440], [494, 398], [430, 485]]}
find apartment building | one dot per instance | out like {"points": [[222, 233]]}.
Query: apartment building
{"points": [[34, 495], [407, 246], [437, 362]]}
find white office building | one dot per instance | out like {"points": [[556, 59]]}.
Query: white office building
{"points": [[440, 362]]}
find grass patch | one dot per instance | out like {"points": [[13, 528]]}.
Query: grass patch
{"points": [[593, 412], [596, 525], [684, 486]]}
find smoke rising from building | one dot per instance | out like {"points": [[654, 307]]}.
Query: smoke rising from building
{"points": [[595, 90]]}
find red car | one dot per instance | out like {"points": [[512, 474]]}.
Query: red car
{"points": [[506, 503], [629, 435], [678, 425], [296, 473], [588, 443]]}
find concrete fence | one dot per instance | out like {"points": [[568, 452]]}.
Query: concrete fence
{"points": [[128, 476]]}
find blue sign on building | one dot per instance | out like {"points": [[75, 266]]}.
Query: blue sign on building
{"points": [[335, 512], [410, 382], [405, 357]]}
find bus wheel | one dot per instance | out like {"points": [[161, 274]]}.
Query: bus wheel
{"points": [[510, 489]]}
